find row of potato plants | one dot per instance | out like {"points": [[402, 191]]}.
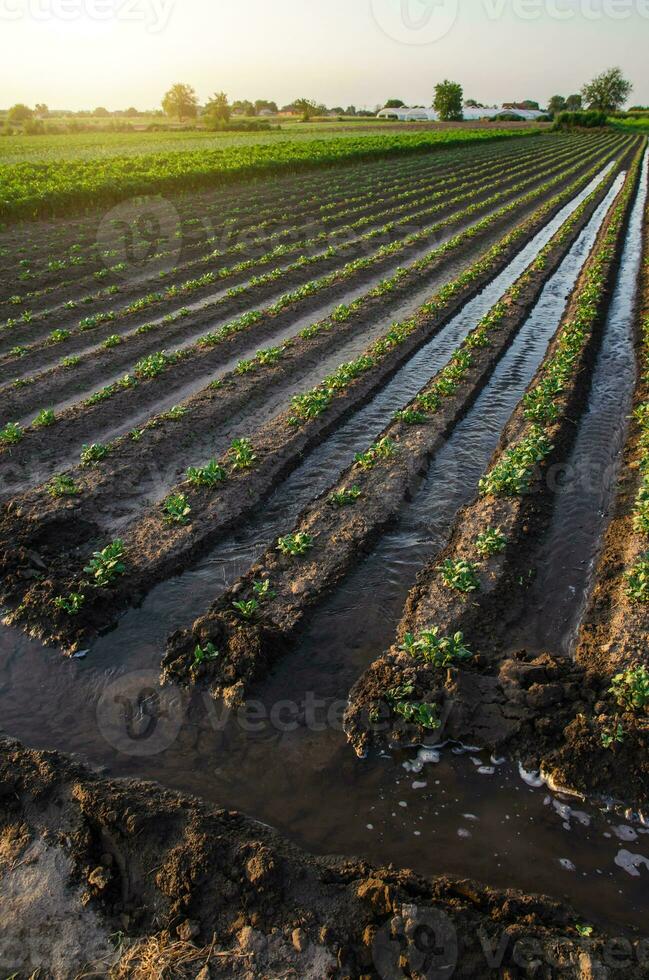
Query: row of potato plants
{"points": [[518, 470], [193, 288], [306, 208], [329, 535], [199, 522], [37, 190], [153, 365]]}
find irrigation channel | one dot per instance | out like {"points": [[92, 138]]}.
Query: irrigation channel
{"points": [[284, 760]]}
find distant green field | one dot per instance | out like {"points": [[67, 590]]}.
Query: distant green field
{"points": [[86, 175], [91, 146], [631, 125]]}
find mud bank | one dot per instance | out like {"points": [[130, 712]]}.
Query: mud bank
{"points": [[121, 878]]}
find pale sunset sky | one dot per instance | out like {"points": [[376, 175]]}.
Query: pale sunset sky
{"points": [[83, 53]]}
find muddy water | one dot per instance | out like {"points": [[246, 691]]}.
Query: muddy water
{"points": [[586, 484], [285, 761]]}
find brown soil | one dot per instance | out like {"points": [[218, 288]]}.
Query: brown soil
{"points": [[48, 549], [123, 879]]}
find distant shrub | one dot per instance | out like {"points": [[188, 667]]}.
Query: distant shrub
{"points": [[584, 120]]}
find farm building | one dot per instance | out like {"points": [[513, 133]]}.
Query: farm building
{"points": [[406, 114]]}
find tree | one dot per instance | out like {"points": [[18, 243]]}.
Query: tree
{"points": [[181, 101], [218, 107], [264, 105], [394, 104], [574, 103], [556, 104], [101, 112], [607, 92], [41, 110], [19, 113], [448, 101], [243, 107], [307, 107]]}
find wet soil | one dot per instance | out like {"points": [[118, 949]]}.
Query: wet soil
{"points": [[123, 879]]}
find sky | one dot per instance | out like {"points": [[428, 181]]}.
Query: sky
{"points": [[79, 54]]}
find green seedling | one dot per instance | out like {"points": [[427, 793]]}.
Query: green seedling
{"points": [[631, 689], [177, 509], [613, 736], [11, 433], [263, 591], [637, 588], [71, 604], [295, 544], [491, 542], [113, 341], [459, 574], [241, 454], [176, 412], [204, 654], [44, 418], [411, 416], [93, 453], [71, 361], [343, 498], [58, 336], [62, 485], [106, 565], [512, 474], [383, 449], [246, 609], [440, 651], [206, 476]]}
